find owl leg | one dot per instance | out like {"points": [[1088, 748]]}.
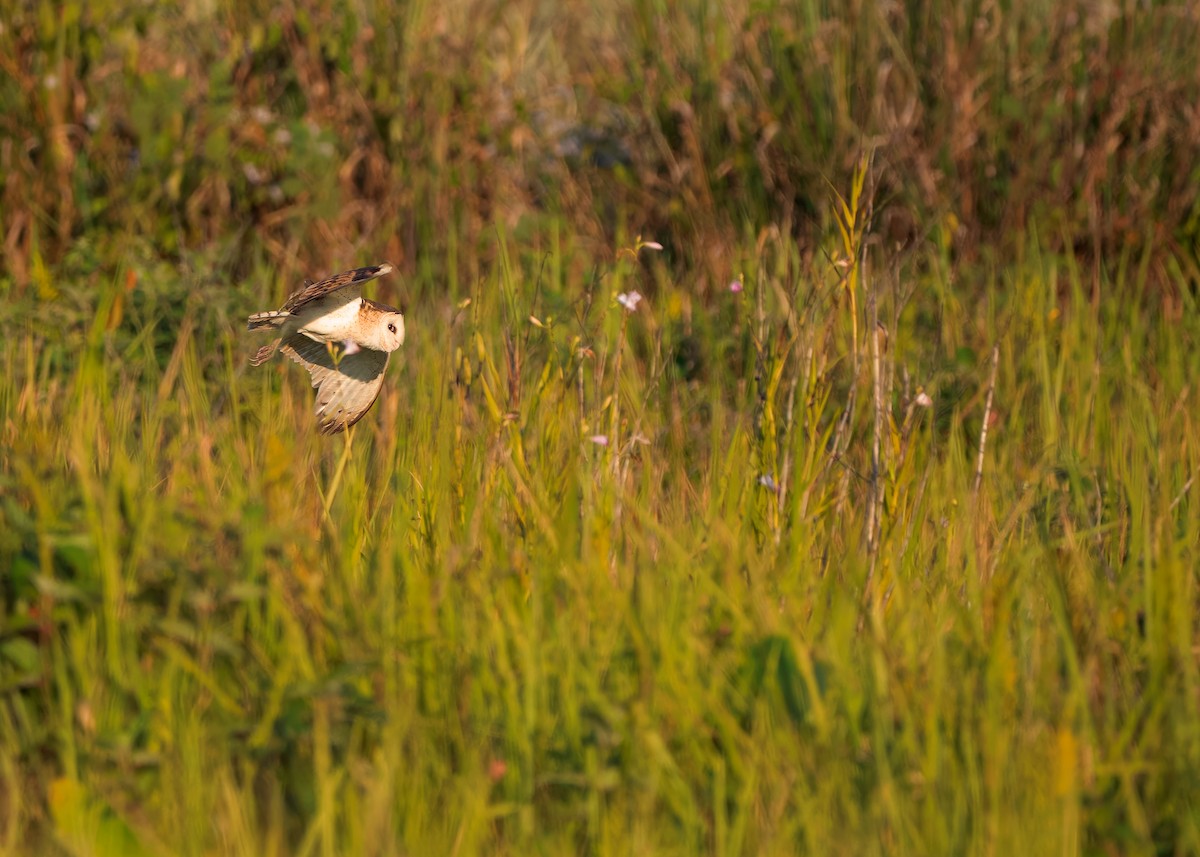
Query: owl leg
{"points": [[264, 354]]}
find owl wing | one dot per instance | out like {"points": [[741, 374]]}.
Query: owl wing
{"points": [[346, 387], [347, 285]]}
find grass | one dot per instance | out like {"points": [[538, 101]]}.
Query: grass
{"points": [[891, 551], [504, 636]]}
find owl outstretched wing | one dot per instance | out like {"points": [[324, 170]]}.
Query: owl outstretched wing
{"points": [[346, 386], [347, 285]]}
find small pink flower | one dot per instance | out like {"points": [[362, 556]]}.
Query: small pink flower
{"points": [[599, 439], [629, 300], [735, 286], [651, 245]]}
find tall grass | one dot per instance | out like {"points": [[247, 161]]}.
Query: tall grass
{"points": [[504, 635], [888, 548]]}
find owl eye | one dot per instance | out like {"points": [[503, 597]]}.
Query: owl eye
{"points": [[392, 328]]}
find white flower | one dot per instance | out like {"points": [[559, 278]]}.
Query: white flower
{"points": [[253, 174], [629, 300], [599, 439]]}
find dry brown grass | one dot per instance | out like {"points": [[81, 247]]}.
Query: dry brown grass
{"points": [[306, 133]]}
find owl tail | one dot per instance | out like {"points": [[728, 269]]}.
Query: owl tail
{"points": [[273, 319]]}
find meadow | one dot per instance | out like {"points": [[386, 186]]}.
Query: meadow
{"points": [[869, 527]]}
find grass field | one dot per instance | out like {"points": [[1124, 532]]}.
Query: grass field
{"points": [[871, 529]]}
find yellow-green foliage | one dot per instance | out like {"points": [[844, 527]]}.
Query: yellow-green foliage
{"points": [[849, 538]]}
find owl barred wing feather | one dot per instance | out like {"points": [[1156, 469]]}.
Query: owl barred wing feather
{"points": [[346, 388], [346, 285]]}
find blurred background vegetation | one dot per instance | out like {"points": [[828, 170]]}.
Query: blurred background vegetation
{"points": [[707, 577], [297, 134]]}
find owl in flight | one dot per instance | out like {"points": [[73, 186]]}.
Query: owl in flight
{"points": [[341, 338]]}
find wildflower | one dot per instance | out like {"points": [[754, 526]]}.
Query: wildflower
{"points": [[767, 481], [629, 300], [253, 174], [638, 246], [735, 286], [923, 400], [599, 439]]}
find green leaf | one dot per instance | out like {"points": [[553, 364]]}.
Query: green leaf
{"points": [[22, 653]]}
